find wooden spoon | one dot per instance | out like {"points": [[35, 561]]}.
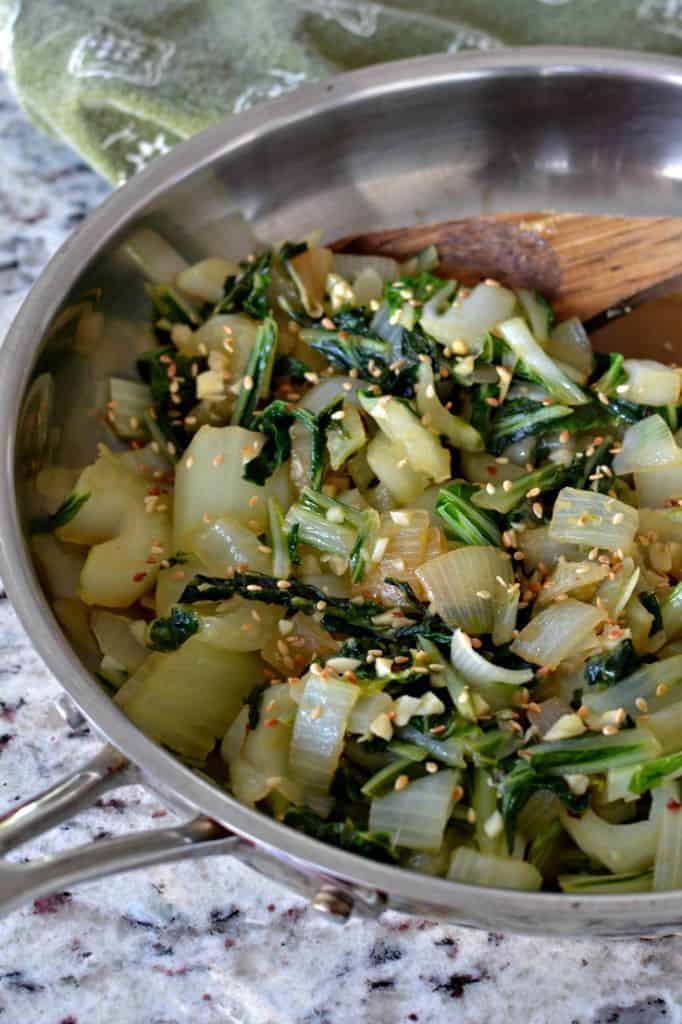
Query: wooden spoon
{"points": [[583, 264]]}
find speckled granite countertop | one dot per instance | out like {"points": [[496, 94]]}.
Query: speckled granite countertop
{"points": [[209, 942]]}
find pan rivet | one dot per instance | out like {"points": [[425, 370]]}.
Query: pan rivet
{"points": [[335, 903]]}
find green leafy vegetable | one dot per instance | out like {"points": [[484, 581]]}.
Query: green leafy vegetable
{"points": [[275, 422], [254, 703], [653, 773], [523, 418], [520, 784], [463, 521], [161, 368], [340, 615], [67, 511], [612, 666], [344, 834], [256, 380], [650, 602], [169, 633], [247, 291]]}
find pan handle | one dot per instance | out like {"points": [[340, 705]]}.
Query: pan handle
{"points": [[197, 837], [108, 770]]}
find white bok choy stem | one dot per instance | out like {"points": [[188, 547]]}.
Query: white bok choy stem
{"points": [[593, 520], [522, 343], [668, 863], [476, 669], [620, 848], [557, 632], [651, 382], [466, 585], [321, 722], [475, 868], [416, 816], [467, 319], [647, 445]]}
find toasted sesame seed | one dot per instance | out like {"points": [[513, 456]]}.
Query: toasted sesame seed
{"points": [[490, 488], [247, 383], [254, 588], [610, 730], [316, 712], [401, 782], [533, 492], [253, 500], [618, 518], [661, 689], [602, 398], [538, 509], [206, 517], [431, 767], [564, 436], [483, 594], [218, 459], [189, 462], [641, 704], [507, 486]]}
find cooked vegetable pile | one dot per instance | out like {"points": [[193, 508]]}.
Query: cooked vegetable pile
{"points": [[396, 561]]}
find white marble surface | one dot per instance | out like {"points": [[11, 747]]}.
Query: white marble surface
{"points": [[212, 942]]}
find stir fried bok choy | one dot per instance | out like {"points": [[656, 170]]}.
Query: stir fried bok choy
{"points": [[395, 561]]}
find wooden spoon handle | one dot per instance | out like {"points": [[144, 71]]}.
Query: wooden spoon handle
{"points": [[583, 263]]}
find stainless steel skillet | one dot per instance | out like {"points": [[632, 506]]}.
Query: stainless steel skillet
{"points": [[438, 137]]}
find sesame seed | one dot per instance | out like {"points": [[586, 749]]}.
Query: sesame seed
{"points": [[661, 690], [641, 704], [610, 730], [247, 383], [618, 518], [507, 486], [401, 782], [189, 462], [316, 712], [538, 509], [564, 437], [533, 492], [483, 594], [490, 488], [254, 588], [431, 767], [602, 398], [206, 517], [218, 459]]}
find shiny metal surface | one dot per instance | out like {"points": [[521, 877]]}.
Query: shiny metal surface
{"points": [[423, 139]]}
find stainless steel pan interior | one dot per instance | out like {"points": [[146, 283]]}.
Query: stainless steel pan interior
{"points": [[438, 137]]}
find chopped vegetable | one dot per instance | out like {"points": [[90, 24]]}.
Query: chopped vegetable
{"points": [[415, 554]]}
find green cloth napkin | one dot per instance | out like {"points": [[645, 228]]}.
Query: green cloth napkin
{"points": [[124, 80]]}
